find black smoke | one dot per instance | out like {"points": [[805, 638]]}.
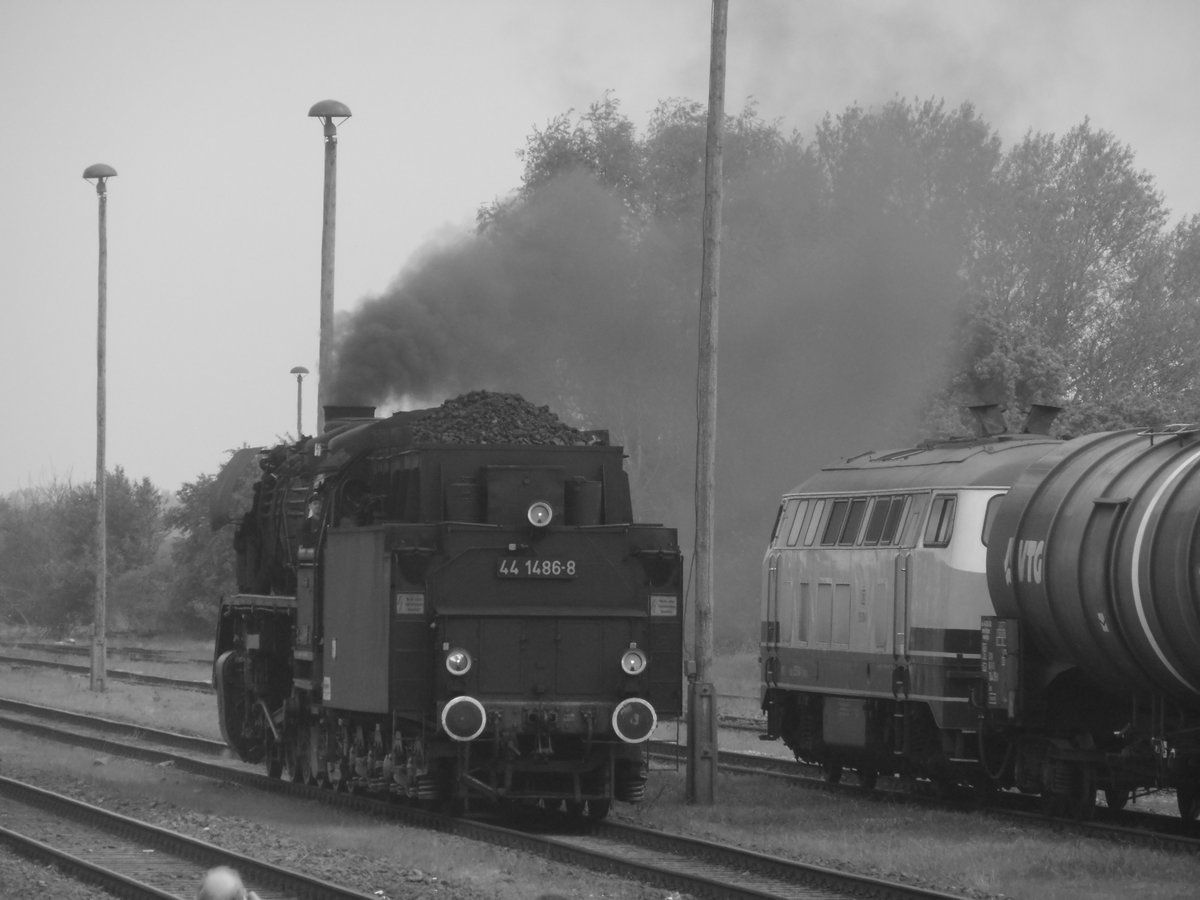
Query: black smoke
{"points": [[828, 339]]}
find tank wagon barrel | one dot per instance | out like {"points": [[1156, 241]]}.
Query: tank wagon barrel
{"points": [[1094, 551], [1009, 610]]}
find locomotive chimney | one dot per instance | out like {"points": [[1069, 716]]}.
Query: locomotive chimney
{"points": [[989, 418], [1041, 417], [339, 415]]}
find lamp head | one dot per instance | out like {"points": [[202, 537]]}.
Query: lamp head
{"points": [[100, 173], [327, 111]]}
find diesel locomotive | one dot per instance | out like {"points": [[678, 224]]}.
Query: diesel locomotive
{"points": [[450, 606], [1008, 610]]}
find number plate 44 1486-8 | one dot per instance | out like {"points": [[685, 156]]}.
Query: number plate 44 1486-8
{"points": [[529, 567]]}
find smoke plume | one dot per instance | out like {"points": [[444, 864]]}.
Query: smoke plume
{"points": [[826, 343]]}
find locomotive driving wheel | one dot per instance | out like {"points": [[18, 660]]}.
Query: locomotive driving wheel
{"points": [[299, 759]]}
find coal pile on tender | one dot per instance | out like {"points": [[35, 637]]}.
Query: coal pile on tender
{"points": [[483, 417]]}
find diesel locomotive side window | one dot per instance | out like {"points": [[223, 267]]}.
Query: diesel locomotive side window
{"points": [[891, 528], [941, 521], [883, 528], [797, 523], [849, 535], [879, 514], [837, 519], [814, 522]]}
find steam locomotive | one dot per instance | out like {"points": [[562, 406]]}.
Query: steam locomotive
{"points": [[449, 610], [1007, 610]]}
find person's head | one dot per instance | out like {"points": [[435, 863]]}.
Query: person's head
{"points": [[221, 883]]}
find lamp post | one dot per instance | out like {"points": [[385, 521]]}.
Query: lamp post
{"points": [[299, 372], [100, 173], [327, 111]]}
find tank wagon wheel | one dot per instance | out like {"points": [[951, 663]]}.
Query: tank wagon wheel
{"points": [[1116, 798], [1075, 796], [983, 789], [1084, 806], [598, 809], [1187, 796]]}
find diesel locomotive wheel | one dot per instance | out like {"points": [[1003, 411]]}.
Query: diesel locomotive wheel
{"points": [[867, 778], [832, 771]]}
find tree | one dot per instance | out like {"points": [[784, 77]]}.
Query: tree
{"points": [[48, 549], [202, 556], [1069, 257]]}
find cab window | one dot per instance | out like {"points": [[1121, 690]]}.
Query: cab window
{"points": [[854, 517], [989, 517], [814, 522], [797, 522], [783, 520], [941, 521], [837, 519]]}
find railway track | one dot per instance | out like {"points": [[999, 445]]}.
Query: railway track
{"points": [[1132, 825], [186, 684], [130, 858], [675, 862]]}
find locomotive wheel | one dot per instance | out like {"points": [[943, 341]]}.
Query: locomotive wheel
{"points": [[832, 771], [867, 777], [335, 776], [298, 759], [273, 755]]}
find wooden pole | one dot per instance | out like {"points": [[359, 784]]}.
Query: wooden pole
{"points": [[702, 719], [99, 673]]}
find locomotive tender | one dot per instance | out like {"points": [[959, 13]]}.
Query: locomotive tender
{"points": [[446, 612], [1010, 610]]}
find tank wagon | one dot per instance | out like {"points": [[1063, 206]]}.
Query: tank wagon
{"points": [[451, 605], [1009, 610]]}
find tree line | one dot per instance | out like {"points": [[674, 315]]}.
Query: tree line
{"points": [[878, 276], [166, 567]]}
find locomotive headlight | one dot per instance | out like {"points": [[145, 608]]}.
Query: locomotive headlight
{"points": [[458, 661], [634, 720], [464, 718], [633, 661], [540, 514]]}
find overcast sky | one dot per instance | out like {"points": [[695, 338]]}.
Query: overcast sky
{"points": [[214, 219]]}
